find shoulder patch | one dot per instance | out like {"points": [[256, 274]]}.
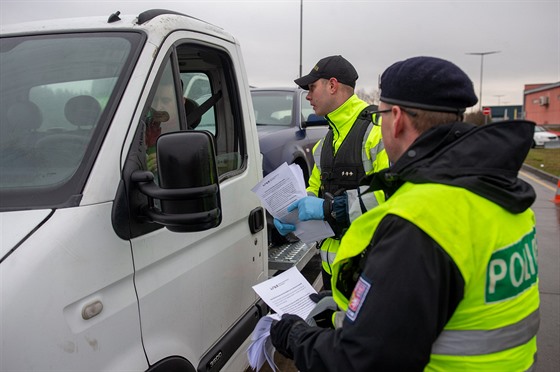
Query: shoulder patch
{"points": [[358, 297]]}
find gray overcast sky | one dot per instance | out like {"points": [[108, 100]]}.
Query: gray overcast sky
{"points": [[370, 34]]}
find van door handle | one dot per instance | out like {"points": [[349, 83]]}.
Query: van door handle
{"points": [[256, 220]]}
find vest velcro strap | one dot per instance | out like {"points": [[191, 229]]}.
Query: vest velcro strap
{"points": [[467, 342]]}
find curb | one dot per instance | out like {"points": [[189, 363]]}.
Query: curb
{"points": [[539, 173]]}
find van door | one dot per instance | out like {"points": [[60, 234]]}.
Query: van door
{"points": [[193, 287]]}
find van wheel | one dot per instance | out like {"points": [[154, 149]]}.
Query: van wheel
{"points": [[173, 363]]}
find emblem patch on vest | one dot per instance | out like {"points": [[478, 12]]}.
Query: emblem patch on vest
{"points": [[358, 296], [512, 269]]}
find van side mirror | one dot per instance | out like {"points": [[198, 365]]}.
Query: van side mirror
{"points": [[188, 189]]}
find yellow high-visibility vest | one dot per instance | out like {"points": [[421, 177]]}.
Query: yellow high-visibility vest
{"points": [[373, 158], [494, 327]]}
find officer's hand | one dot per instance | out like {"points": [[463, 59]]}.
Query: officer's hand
{"points": [[309, 208], [280, 332], [316, 297], [283, 228], [322, 314]]}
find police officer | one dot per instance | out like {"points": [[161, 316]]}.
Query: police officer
{"points": [[443, 275], [351, 149]]}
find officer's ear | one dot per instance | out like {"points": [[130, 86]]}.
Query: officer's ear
{"points": [[402, 127], [333, 85], [399, 122]]}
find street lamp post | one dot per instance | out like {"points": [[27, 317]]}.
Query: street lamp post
{"points": [[481, 54], [300, 35]]}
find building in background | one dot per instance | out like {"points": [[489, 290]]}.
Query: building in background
{"points": [[505, 112], [541, 103]]}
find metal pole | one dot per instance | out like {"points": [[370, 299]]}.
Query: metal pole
{"points": [[481, 54], [481, 75], [300, 35]]}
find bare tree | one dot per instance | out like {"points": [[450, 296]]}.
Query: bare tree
{"points": [[477, 118], [371, 96]]}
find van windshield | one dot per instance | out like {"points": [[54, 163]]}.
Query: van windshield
{"points": [[55, 103]]}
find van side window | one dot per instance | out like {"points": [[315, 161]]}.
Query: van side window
{"points": [[162, 116], [212, 102], [197, 92], [202, 95]]}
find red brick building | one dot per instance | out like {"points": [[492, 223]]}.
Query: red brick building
{"points": [[541, 103]]}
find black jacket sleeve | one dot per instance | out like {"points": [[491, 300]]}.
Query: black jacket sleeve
{"points": [[336, 211], [414, 288]]}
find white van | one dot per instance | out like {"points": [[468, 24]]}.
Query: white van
{"points": [[130, 239]]}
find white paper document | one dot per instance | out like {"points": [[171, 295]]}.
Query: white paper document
{"points": [[261, 349], [287, 293], [281, 188]]}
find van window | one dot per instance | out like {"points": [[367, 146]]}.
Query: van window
{"points": [[55, 94], [211, 101], [197, 92], [162, 116]]}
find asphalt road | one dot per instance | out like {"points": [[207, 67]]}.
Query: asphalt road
{"points": [[547, 214], [548, 239]]}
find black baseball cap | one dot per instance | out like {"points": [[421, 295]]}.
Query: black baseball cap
{"points": [[330, 67]]}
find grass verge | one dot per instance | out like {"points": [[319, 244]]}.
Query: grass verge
{"points": [[547, 160]]}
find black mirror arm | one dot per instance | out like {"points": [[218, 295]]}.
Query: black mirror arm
{"points": [[147, 186]]}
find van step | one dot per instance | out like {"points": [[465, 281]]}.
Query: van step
{"points": [[285, 256]]}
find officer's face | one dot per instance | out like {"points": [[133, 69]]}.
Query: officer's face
{"points": [[320, 97]]}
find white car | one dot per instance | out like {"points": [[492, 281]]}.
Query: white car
{"points": [[542, 136]]}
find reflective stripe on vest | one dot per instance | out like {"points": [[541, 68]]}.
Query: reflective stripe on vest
{"points": [[374, 151], [328, 256], [368, 163], [467, 342], [317, 154]]}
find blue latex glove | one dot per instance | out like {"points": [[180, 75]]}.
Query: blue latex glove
{"points": [[283, 228], [309, 208]]}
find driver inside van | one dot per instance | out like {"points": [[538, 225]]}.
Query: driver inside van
{"points": [[163, 117]]}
